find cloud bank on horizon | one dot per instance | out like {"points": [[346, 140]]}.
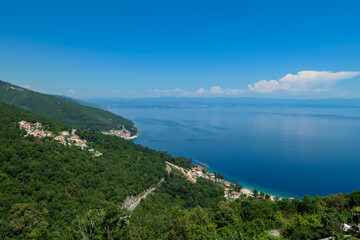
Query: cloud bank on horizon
{"points": [[216, 90], [303, 81], [213, 91]]}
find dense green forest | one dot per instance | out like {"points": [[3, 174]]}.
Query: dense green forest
{"points": [[176, 212], [51, 191], [48, 189], [63, 110]]}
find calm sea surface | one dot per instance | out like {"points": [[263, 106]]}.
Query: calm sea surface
{"points": [[283, 151]]}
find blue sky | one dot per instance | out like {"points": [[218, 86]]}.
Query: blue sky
{"points": [[182, 48]]}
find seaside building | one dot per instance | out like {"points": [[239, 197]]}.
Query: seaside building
{"points": [[247, 192], [235, 195], [211, 175], [199, 173], [197, 168]]}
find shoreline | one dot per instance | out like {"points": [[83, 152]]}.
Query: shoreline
{"points": [[249, 192], [250, 187], [132, 137], [230, 193]]}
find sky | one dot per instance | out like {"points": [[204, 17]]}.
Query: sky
{"points": [[132, 49]]}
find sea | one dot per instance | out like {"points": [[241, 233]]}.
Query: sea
{"points": [[282, 151]]}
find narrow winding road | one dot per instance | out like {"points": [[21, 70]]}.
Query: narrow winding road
{"points": [[137, 202]]}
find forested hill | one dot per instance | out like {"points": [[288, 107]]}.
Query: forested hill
{"points": [[63, 110], [48, 189], [52, 191]]}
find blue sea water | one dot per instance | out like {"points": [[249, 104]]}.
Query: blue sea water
{"points": [[282, 151]]}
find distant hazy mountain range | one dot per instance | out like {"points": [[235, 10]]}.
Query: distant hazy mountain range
{"points": [[63, 109], [183, 102]]}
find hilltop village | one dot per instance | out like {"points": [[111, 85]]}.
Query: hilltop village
{"points": [[63, 137]]}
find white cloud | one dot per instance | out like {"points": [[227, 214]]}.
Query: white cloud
{"points": [[200, 91], [302, 81], [216, 90], [233, 91], [70, 91], [213, 91], [169, 92], [176, 90]]}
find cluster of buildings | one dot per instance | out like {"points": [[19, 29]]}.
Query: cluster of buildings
{"points": [[64, 137], [198, 171], [229, 192], [124, 133], [35, 129], [232, 195]]}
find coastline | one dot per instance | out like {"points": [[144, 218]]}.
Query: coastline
{"points": [[249, 192], [233, 179], [250, 187], [133, 137], [247, 187]]}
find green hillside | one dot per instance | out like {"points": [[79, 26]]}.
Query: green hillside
{"points": [[63, 110], [47, 188], [52, 191]]}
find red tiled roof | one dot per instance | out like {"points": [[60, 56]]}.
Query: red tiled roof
{"points": [[198, 168]]}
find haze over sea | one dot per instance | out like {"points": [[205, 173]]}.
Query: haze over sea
{"points": [[285, 151]]}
